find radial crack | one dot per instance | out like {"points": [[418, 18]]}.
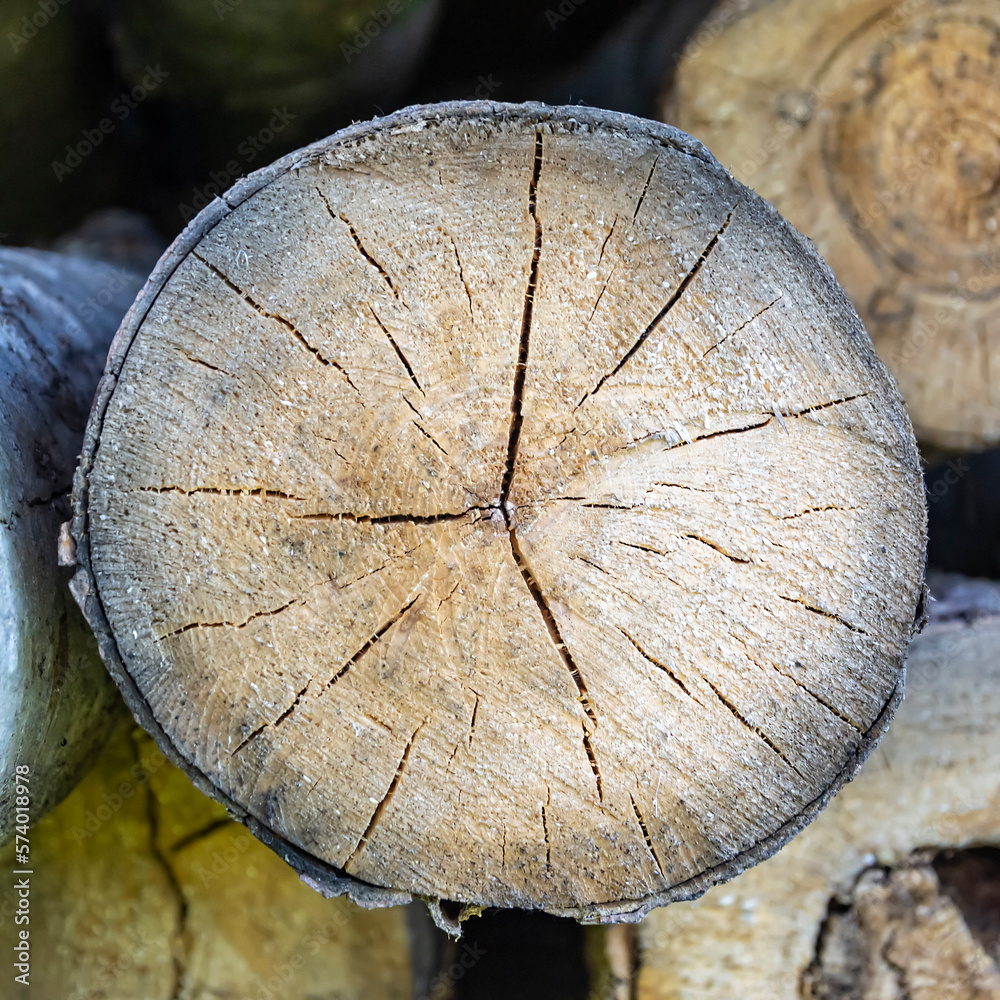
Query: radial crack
{"points": [[823, 406], [475, 714], [600, 295], [545, 832], [718, 548], [832, 709], [604, 245], [287, 324], [645, 834], [334, 516], [645, 188], [371, 642], [766, 418], [659, 665], [340, 217], [358, 579], [520, 370], [508, 476], [430, 437], [461, 275], [291, 708], [590, 562], [249, 739], [253, 491], [682, 486], [662, 314], [825, 614], [381, 807], [643, 548], [742, 326], [552, 627], [814, 510], [753, 729], [243, 624], [448, 596], [592, 757], [396, 348], [204, 364]]}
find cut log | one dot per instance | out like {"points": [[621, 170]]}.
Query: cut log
{"points": [[501, 505], [57, 317], [894, 892], [142, 888], [874, 131]]}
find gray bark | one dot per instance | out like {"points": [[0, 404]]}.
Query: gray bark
{"points": [[57, 317]]}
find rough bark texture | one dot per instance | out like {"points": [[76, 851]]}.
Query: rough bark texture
{"points": [[57, 317], [142, 888], [537, 527], [874, 129], [848, 909]]}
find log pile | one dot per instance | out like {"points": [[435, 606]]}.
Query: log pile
{"points": [[142, 887], [893, 892], [873, 130]]}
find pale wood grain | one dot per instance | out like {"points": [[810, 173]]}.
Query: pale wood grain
{"points": [[500, 504]]}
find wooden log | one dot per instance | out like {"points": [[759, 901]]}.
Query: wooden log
{"points": [[873, 130], [893, 892], [57, 318], [553, 542], [142, 887]]}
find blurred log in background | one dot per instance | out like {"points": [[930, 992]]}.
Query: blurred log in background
{"points": [[157, 107]]}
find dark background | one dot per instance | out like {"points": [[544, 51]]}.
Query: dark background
{"points": [[57, 85], [617, 54]]}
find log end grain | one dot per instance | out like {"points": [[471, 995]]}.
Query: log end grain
{"points": [[500, 504]]}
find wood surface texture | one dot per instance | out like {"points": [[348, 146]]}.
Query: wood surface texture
{"points": [[500, 504], [870, 902], [142, 889]]}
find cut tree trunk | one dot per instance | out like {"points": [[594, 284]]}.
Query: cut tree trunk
{"points": [[499, 504], [142, 889], [876, 131], [57, 317], [894, 892]]}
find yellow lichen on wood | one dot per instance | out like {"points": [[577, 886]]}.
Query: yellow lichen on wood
{"points": [[142, 887]]}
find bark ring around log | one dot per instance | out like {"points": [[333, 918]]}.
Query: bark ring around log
{"points": [[674, 499]]}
